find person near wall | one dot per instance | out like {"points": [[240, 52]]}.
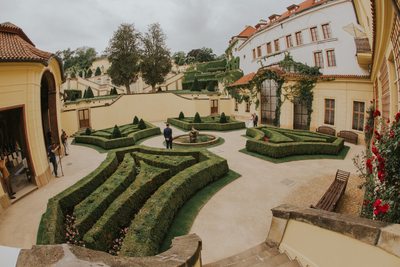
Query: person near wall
{"points": [[255, 120], [52, 157], [5, 178], [64, 141], [168, 136]]}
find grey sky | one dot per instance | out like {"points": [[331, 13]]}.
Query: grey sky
{"points": [[58, 24]]}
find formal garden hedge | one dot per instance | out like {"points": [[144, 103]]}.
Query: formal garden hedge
{"points": [[211, 123], [137, 188], [278, 143], [131, 133]]}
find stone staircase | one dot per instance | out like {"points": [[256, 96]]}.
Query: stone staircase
{"points": [[262, 255]]}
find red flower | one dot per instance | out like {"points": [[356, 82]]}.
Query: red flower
{"points": [[377, 135], [368, 164], [397, 116], [377, 113], [365, 202], [375, 150], [367, 128], [391, 134], [377, 203], [385, 208], [381, 176], [378, 208]]}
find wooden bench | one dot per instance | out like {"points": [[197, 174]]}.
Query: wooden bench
{"points": [[326, 130], [332, 196], [349, 136]]}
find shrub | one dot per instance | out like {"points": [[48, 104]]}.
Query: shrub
{"points": [[141, 125], [97, 72], [181, 116], [223, 119], [89, 93], [135, 120], [116, 132], [88, 131], [212, 126], [211, 86], [89, 73], [196, 85], [197, 118], [113, 91]]}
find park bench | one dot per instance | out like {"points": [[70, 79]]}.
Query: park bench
{"points": [[349, 136], [326, 130], [335, 191]]}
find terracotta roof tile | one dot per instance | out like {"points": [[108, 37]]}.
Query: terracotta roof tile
{"points": [[244, 80], [15, 46], [247, 32]]}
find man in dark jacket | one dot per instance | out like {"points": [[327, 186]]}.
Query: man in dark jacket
{"points": [[168, 136], [52, 156]]}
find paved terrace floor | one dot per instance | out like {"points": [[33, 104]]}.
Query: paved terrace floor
{"points": [[235, 219]]}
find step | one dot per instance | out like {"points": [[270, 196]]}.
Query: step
{"points": [[281, 260]]}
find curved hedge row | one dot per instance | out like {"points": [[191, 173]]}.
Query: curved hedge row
{"points": [[216, 126], [284, 142], [174, 163], [150, 225], [88, 211], [122, 210], [129, 140]]}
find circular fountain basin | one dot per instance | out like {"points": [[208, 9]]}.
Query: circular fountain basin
{"points": [[202, 140]]}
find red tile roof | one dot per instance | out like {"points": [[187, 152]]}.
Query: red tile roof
{"points": [[15, 46], [244, 80], [247, 32]]}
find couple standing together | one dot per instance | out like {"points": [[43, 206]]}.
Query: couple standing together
{"points": [[254, 118]]}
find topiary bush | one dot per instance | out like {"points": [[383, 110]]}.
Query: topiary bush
{"points": [[89, 93], [113, 91], [116, 132], [223, 119], [197, 118], [142, 125], [97, 72], [181, 116], [211, 86], [195, 85], [135, 120], [88, 131]]}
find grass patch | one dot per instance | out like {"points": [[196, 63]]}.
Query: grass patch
{"points": [[184, 219], [342, 155]]}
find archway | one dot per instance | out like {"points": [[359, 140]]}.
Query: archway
{"points": [[48, 106]]}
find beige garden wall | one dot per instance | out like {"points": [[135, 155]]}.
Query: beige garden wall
{"points": [[150, 107]]}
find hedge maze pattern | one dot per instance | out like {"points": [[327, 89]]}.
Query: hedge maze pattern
{"points": [[278, 143], [211, 123], [139, 188]]}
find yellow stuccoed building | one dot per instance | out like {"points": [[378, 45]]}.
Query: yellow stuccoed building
{"points": [[29, 106]]}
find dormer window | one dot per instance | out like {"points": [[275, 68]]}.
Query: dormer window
{"points": [[292, 8], [273, 17]]}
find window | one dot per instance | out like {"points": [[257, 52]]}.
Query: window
{"points": [[326, 30], [269, 48], [269, 101], [247, 106], [289, 42], [330, 55], [318, 59], [395, 36], [259, 53], [254, 53], [236, 105], [329, 111], [314, 34], [299, 38], [384, 79], [276, 44], [358, 115]]}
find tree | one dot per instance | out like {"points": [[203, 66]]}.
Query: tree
{"points": [[211, 86], [156, 58], [197, 118], [97, 72], [142, 125], [79, 59], [195, 85], [123, 54], [181, 115], [135, 120], [200, 55], [89, 73], [179, 58], [223, 119], [89, 93], [113, 91], [116, 132]]}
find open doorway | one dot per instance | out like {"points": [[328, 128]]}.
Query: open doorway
{"points": [[48, 105], [14, 148]]}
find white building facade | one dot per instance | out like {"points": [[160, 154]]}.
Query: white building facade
{"points": [[317, 33]]}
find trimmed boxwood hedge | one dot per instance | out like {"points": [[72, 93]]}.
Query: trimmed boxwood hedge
{"points": [[120, 213], [51, 227], [129, 140], [216, 126], [285, 142], [88, 211], [150, 225]]}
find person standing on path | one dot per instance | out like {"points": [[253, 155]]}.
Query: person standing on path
{"points": [[52, 156], [168, 136], [64, 141], [255, 119]]}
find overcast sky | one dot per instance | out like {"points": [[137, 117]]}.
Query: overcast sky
{"points": [[59, 24]]}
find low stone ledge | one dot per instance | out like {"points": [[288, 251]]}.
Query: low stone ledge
{"points": [[367, 231], [389, 239], [185, 251]]}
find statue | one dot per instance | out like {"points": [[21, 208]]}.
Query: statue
{"points": [[193, 135]]}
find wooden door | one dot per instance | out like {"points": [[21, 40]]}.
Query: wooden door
{"points": [[84, 121], [300, 115], [214, 107]]}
